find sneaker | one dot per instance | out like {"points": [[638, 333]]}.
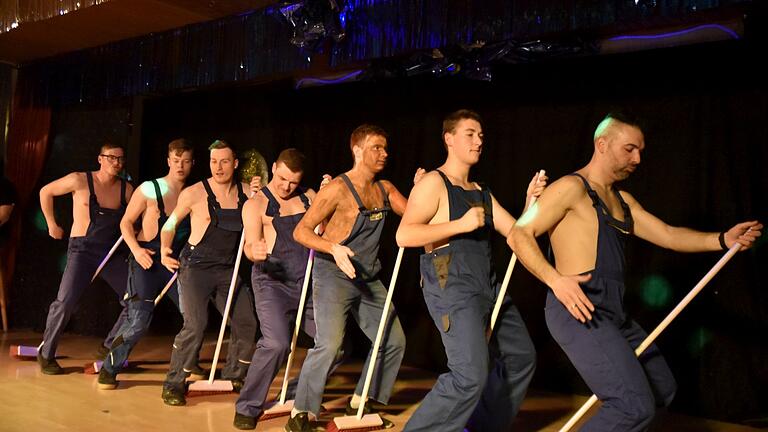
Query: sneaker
{"points": [[49, 367], [244, 422], [298, 423], [387, 424], [174, 397], [106, 380]]}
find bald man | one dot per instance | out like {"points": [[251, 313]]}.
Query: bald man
{"points": [[589, 221]]}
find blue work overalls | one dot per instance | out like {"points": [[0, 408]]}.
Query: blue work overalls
{"points": [[486, 383], [84, 254], [143, 288], [602, 350], [335, 296], [206, 270]]}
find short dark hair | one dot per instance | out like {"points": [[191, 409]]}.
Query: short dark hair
{"points": [[221, 144], [179, 146], [293, 159], [451, 120], [108, 145], [361, 132]]}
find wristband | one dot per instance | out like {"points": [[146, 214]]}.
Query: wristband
{"points": [[721, 239]]}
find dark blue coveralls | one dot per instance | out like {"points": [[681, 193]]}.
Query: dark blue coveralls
{"points": [[143, 288], [277, 284], [336, 296], [205, 270], [486, 383], [84, 254], [602, 350]]}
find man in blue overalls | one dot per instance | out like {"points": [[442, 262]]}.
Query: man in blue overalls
{"points": [[589, 220], [454, 218], [98, 202], [345, 274], [277, 277], [146, 276], [205, 268]]}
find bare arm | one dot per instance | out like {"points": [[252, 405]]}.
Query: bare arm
{"points": [[415, 229], [5, 213], [649, 227], [62, 186], [136, 206], [551, 207], [503, 220], [182, 210], [324, 205], [255, 247], [396, 199]]}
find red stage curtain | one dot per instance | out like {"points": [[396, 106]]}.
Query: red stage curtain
{"points": [[26, 151]]}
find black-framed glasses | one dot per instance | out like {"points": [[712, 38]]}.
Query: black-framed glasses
{"points": [[113, 159]]}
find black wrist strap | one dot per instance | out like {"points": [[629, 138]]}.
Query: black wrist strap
{"points": [[721, 239]]}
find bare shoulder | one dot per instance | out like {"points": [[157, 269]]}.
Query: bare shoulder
{"points": [[332, 190], [193, 192], [566, 187], [76, 180], [256, 204], [431, 182], [389, 186]]}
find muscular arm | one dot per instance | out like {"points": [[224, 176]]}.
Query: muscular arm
{"points": [[415, 229], [323, 206], [649, 227], [62, 186], [136, 206], [396, 199], [551, 208]]}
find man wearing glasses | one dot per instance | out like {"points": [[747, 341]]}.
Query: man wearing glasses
{"points": [[99, 199]]}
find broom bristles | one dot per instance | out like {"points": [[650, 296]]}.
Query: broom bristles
{"points": [[202, 388], [23, 351], [369, 422]]}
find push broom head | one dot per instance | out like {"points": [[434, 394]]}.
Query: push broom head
{"points": [[277, 410], [203, 388], [23, 351], [369, 422]]}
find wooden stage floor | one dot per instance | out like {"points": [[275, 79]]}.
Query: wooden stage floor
{"points": [[32, 402]]}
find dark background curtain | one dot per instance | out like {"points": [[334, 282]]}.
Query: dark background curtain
{"points": [[706, 109]]}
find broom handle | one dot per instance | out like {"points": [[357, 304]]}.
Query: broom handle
{"points": [[297, 327], [225, 314], [508, 275], [106, 258], [379, 334], [166, 287], [657, 331]]}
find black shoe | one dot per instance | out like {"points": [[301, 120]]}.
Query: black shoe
{"points": [[387, 424], [237, 385], [197, 373], [173, 397], [106, 380], [49, 367], [298, 423], [244, 422]]}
